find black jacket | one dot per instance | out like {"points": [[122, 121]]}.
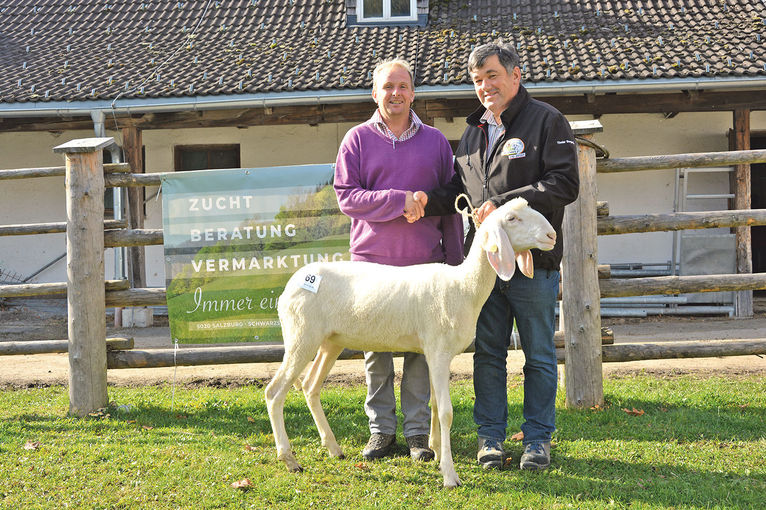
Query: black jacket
{"points": [[535, 159]]}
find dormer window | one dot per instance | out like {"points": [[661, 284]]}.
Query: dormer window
{"points": [[387, 12]]}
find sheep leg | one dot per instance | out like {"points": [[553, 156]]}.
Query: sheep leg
{"points": [[293, 363], [438, 368], [312, 386], [434, 437]]}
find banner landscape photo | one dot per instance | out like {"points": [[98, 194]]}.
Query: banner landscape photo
{"points": [[232, 240]]}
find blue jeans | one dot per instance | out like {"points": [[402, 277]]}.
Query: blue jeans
{"points": [[532, 302]]}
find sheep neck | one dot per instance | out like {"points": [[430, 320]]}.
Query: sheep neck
{"points": [[478, 274]]}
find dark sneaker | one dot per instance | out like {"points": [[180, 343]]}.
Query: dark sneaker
{"points": [[491, 454], [419, 449], [536, 456], [378, 446]]}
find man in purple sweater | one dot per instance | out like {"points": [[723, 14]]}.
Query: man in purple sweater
{"points": [[380, 163]]}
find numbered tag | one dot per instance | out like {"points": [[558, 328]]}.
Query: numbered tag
{"points": [[311, 282]]}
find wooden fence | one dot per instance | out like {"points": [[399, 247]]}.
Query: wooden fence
{"points": [[584, 343]]}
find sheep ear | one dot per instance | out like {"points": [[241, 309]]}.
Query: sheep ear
{"points": [[499, 251], [526, 266]]}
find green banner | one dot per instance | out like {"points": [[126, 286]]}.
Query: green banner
{"points": [[232, 240]]}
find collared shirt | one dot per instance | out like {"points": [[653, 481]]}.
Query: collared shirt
{"points": [[494, 132], [381, 126]]}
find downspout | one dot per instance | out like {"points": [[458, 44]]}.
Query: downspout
{"points": [[119, 252], [98, 122]]}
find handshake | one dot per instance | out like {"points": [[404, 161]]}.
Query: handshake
{"points": [[415, 205]]}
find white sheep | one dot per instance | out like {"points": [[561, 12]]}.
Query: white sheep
{"points": [[428, 308]]}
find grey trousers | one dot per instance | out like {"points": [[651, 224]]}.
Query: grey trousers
{"points": [[380, 405]]}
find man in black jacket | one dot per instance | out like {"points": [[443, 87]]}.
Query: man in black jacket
{"points": [[513, 146]]}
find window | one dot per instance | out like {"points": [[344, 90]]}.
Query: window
{"points": [[386, 12], [205, 157], [380, 10]]}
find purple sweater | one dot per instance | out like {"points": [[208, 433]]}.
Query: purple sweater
{"points": [[372, 175]]}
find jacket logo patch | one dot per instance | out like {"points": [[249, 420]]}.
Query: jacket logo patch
{"points": [[513, 148]]}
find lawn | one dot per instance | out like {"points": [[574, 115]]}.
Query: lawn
{"points": [[678, 442]]}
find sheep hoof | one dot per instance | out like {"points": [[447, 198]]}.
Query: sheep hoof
{"points": [[336, 452], [292, 464], [451, 483]]}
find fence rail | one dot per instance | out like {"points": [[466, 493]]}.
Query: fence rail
{"points": [[681, 284], [584, 344], [56, 346], [680, 221], [131, 180], [672, 161], [55, 171], [51, 228], [117, 235], [121, 344], [50, 289], [194, 356]]}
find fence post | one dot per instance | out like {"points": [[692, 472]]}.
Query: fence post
{"points": [[132, 144], [581, 307], [85, 273], [743, 299]]}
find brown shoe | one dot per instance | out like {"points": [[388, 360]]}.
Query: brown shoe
{"points": [[419, 449], [378, 446]]}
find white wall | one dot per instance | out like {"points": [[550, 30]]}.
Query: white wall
{"points": [[40, 200], [647, 192]]}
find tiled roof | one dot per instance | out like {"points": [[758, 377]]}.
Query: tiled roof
{"points": [[67, 50]]}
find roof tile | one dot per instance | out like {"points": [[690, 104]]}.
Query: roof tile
{"points": [[62, 50]]}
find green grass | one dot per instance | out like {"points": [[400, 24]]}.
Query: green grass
{"points": [[701, 443]]}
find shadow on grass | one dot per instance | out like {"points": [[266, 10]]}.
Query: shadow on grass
{"points": [[246, 417], [242, 412], [625, 483], [344, 408], [661, 423]]}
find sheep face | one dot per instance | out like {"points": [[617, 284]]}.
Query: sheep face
{"points": [[510, 232]]}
